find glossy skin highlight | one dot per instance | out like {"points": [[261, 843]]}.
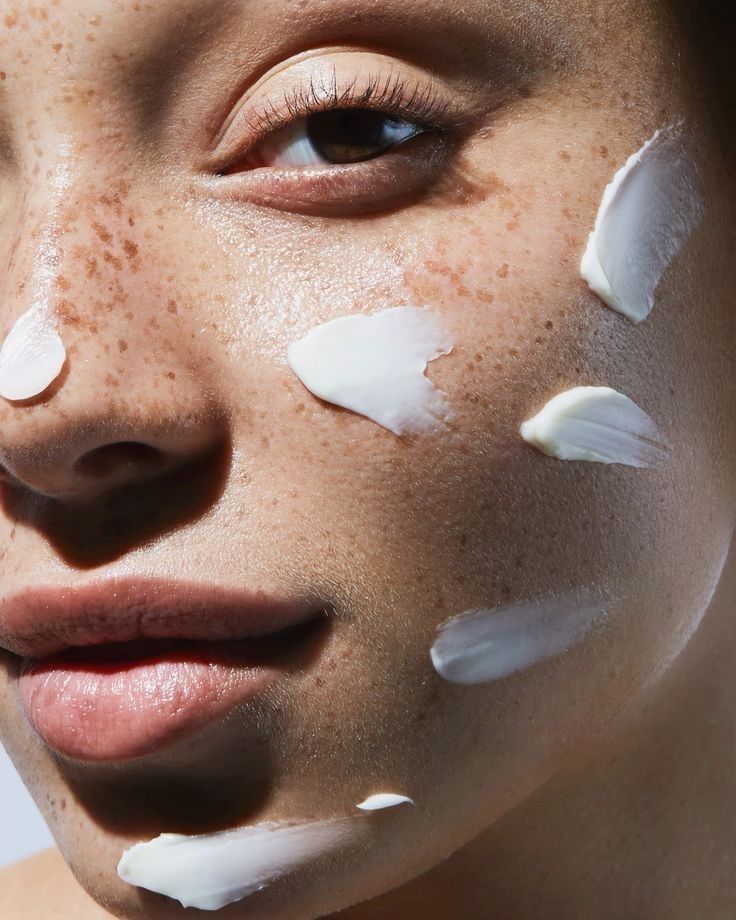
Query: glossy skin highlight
{"points": [[183, 269]]}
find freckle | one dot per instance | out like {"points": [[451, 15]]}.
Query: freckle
{"points": [[128, 315], [112, 381], [503, 271], [122, 345], [3, 75], [549, 324], [172, 307], [131, 250], [604, 152], [131, 221], [565, 155], [63, 283], [62, 804], [113, 260], [11, 20], [171, 375], [102, 232]]}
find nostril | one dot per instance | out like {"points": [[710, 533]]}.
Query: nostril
{"points": [[111, 458]]}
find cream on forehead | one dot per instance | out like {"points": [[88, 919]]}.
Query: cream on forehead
{"points": [[374, 365], [488, 644], [597, 424], [648, 212], [383, 800], [32, 355], [210, 871]]}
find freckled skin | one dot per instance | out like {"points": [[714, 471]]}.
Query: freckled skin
{"points": [[176, 303]]}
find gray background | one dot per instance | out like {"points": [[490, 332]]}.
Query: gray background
{"points": [[22, 829]]}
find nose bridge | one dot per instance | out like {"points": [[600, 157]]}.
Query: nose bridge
{"points": [[131, 379], [34, 257]]}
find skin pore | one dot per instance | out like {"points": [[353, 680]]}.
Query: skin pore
{"points": [[141, 191]]}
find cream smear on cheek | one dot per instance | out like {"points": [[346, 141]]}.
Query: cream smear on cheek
{"points": [[491, 643], [648, 212], [374, 365], [599, 425]]}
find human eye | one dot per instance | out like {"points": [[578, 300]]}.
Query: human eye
{"points": [[343, 134]]}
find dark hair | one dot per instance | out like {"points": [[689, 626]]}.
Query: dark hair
{"points": [[710, 28]]}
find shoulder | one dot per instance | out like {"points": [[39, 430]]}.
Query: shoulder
{"points": [[33, 889]]}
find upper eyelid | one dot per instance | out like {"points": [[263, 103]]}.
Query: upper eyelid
{"points": [[411, 96], [380, 94]]}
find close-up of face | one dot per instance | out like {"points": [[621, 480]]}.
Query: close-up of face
{"points": [[365, 424]]}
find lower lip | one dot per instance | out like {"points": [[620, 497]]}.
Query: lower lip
{"points": [[123, 701]]}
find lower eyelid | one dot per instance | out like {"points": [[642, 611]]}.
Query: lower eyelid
{"points": [[347, 189]]}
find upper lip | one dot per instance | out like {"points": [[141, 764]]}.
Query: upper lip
{"points": [[45, 621]]}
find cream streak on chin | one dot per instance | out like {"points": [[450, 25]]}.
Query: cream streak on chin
{"points": [[374, 365], [210, 871], [492, 643], [599, 425], [648, 212]]}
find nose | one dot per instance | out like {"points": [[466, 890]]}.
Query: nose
{"points": [[134, 401]]}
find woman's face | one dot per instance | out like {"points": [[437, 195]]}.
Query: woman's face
{"points": [[146, 191]]}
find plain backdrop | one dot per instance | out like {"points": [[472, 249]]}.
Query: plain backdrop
{"points": [[22, 829]]}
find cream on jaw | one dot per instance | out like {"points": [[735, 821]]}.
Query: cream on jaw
{"points": [[648, 212], [210, 871], [32, 355], [597, 424], [488, 644], [374, 365]]}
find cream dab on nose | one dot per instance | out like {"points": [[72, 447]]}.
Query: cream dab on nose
{"points": [[596, 424], [374, 365], [32, 355], [648, 212]]}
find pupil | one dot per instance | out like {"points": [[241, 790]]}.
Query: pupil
{"points": [[352, 135]]}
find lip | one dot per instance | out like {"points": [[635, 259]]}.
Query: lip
{"points": [[119, 669], [45, 621]]}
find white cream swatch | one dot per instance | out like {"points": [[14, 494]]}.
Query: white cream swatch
{"points": [[210, 871], [488, 644], [32, 355], [597, 424], [648, 212], [384, 800], [374, 365]]}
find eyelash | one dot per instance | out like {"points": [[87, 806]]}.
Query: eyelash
{"points": [[419, 105]]}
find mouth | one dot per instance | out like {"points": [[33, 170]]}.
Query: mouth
{"points": [[151, 664]]}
